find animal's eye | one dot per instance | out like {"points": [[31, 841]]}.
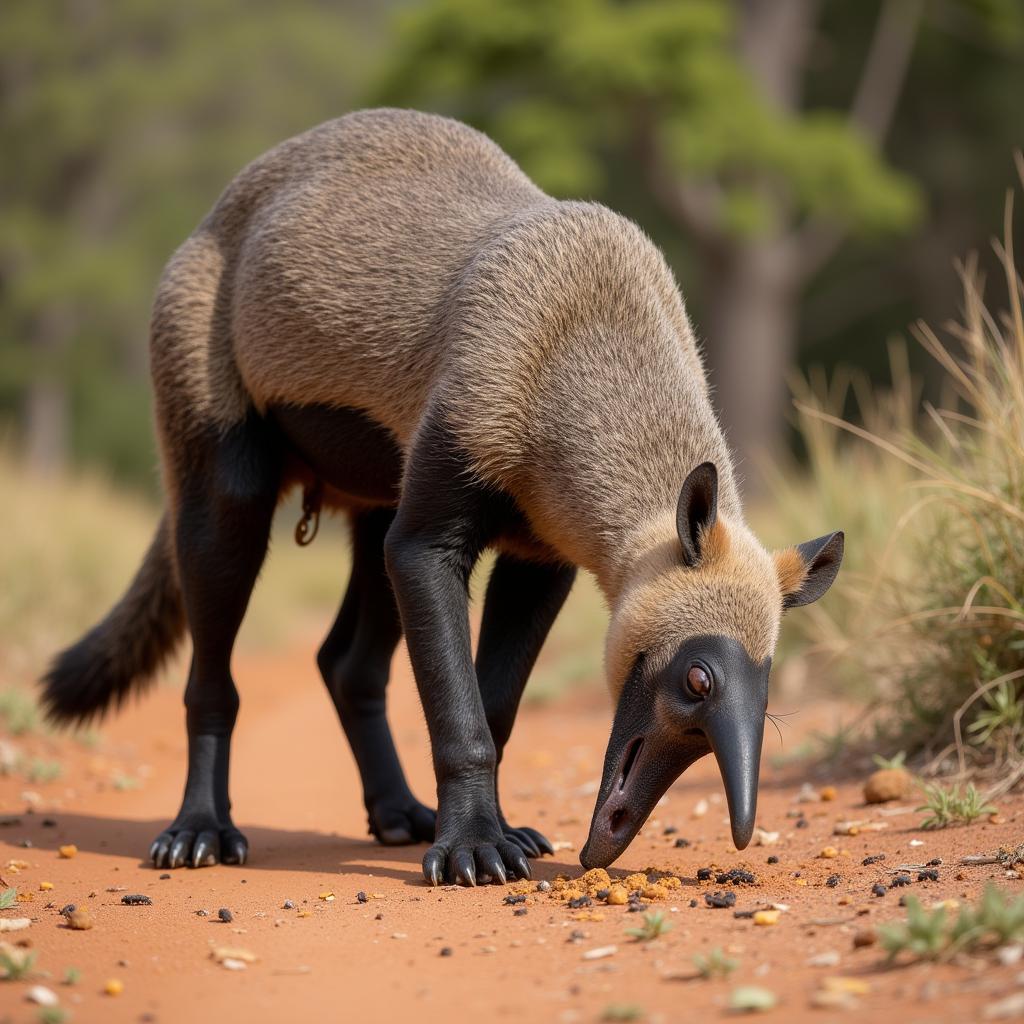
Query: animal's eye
{"points": [[698, 681]]}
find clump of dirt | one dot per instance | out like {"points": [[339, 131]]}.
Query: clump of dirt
{"points": [[886, 784]]}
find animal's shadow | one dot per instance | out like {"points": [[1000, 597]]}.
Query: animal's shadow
{"points": [[271, 849]]}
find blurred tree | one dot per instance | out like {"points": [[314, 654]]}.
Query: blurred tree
{"points": [[706, 102], [121, 121]]}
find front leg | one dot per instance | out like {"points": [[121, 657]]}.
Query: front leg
{"points": [[523, 599], [444, 521]]}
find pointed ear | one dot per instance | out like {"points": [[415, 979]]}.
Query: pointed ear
{"points": [[808, 570], [697, 510]]}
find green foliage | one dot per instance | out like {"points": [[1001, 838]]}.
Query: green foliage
{"points": [[894, 763], [715, 965], [655, 923], [18, 711], [72, 976], [564, 83], [40, 770], [16, 964], [997, 920], [8, 898], [53, 1015], [950, 806], [622, 1012]]}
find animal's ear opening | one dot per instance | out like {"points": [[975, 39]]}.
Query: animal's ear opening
{"points": [[808, 570], [697, 510]]}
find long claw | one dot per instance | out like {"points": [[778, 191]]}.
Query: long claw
{"points": [[204, 853], [488, 863], [433, 865], [541, 841], [463, 867], [523, 840]]}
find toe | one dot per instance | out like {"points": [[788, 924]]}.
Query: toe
{"points": [[489, 864], [160, 848], [234, 847], [433, 865], [463, 866], [181, 849], [523, 840], [540, 840], [515, 860], [206, 849]]}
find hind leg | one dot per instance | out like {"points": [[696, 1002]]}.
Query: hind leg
{"points": [[355, 661], [228, 487]]}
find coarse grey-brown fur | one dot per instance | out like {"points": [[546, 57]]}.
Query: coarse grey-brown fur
{"points": [[401, 264]]}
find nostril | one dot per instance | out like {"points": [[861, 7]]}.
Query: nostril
{"points": [[694, 732], [617, 819], [631, 756]]}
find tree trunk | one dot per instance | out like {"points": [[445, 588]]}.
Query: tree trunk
{"points": [[46, 403], [749, 342]]}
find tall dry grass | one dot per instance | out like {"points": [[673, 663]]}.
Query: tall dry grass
{"points": [[934, 621]]}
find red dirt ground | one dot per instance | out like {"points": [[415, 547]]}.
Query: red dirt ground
{"points": [[296, 796]]}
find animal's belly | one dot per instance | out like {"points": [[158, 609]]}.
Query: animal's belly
{"points": [[345, 448]]}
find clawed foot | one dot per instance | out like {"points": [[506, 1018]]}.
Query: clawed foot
{"points": [[198, 843], [475, 861], [400, 823]]}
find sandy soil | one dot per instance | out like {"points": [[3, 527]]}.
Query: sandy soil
{"points": [[296, 796]]}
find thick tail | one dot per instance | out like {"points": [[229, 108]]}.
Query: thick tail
{"points": [[124, 651]]}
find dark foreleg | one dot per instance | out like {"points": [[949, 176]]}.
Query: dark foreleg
{"points": [[523, 599], [355, 662], [444, 521]]}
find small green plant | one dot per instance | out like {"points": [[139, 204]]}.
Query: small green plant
{"points": [[715, 965], [18, 711], [53, 1015], [654, 924], [892, 764], [1002, 716], [950, 806], [622, 1011], [122, 783], [8, 898], [15, 963], [43, 771], [996, 920], [72, 976]]}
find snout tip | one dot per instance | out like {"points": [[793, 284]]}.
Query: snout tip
{"points": [[742, 832]]}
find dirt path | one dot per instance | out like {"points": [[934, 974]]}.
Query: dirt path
{"points": [[297, 798]]}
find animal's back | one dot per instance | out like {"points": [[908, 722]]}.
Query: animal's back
{"points": [[334, 259]]}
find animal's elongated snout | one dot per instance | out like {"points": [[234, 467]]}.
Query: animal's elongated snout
{"points": [[735, 735]]}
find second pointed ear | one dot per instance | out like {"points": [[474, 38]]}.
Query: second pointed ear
{"points": [[819, 562], [697, 510]]}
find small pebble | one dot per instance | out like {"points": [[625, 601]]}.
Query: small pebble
{"points": [[512, 900], [447, 951], [581, 901], [900, 880], [736, 876], [48, 823], [670, 830], [543, 887], [136, 900], [829, 853], [67, 909], [878, 889], [704, 874], [875, 858], [773, 859], [802, 823], [225, 915], [832, 881], [863, 938], [519, 912], [693, 903], [576, 936], [288, 905], [164, 877], [720, 900], [69, 851], [681, 843], [202, 913], [928, 875], [113, 987], [361, 896]]}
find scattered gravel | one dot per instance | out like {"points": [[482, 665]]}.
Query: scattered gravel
{"points": [[720, 900], [900, 880]]}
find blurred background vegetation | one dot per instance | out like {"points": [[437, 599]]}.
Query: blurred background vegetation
{"points": [[812, 168]]}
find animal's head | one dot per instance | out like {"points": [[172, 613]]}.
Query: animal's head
{"points": [[689, 650]]}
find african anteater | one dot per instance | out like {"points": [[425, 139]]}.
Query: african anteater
{"points": [[388, 306]]}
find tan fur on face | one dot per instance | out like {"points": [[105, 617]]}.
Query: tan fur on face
{"points": [[732, 592]]}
